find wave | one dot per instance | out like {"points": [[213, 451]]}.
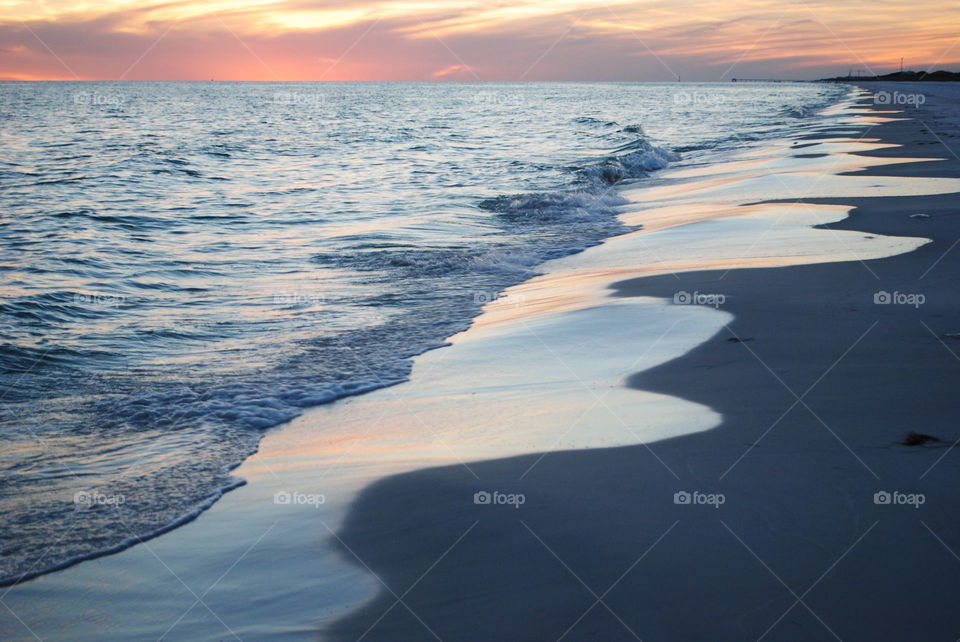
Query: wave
{"points": [[554, 207], [633, 160], [126, 543], [592, 200]]}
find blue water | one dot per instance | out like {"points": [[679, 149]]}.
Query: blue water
{"points": [[187, 264]]}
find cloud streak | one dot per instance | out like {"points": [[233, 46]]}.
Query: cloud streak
{"points": [[505, 40]]}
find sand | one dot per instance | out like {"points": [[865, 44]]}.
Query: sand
{"points": [[815, 401]]}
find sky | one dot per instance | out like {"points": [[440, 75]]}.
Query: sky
{"points": [[495, 40]]}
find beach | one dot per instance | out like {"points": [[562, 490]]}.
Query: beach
{"points": [[694, 431], [815, 405]]}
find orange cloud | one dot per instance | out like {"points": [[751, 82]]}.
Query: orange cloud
{"points": [[467, 40], [453, 72]]}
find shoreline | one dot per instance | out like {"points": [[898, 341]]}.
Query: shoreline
{"points": [[247, 536], [797, 550]]}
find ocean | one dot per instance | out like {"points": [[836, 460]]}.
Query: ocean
{"points": [[186, 265]]}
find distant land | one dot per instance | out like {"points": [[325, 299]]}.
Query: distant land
{"points": [[902, 76]]}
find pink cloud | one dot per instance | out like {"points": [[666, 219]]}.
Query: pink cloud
{"points": [[627, 42]]}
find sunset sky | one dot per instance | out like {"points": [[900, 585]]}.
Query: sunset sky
{"points": [[463, 40]]}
